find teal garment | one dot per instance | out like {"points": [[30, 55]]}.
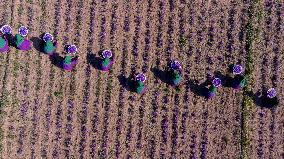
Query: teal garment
{"points": [[67, 59], [2, 42], [18, 40], [243, 82], [106, 62], [212, 89], [176, 78], [139, 87], [48, 47]]}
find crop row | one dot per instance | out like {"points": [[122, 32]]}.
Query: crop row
{"points": [[145, 67], [25, 103]]}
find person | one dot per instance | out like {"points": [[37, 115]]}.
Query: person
{"points": [[70, 60], [139, 85], [216, 82], [49, 46], [211, 91], [20, 41], [239, 80], [270, 100], [176, 77], [107, 60], [175, 72], [4, 42]]}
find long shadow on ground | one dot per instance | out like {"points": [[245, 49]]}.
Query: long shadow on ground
{"points": [[227, 80], [126, 82], [161, 74], [260, 99], [198, 89], [37, 43], [57, 60], [10, 39], [94, 60]]}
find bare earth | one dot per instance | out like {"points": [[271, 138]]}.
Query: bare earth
{"points": [[86, 113]]}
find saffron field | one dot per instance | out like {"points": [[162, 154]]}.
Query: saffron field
{"points": [[47, 112]]}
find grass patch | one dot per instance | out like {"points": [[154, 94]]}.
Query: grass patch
{"points": [[58, 94], [20, 10], [182, 42], [251, 35]]}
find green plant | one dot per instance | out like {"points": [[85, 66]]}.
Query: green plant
{"points": [[20, 10], [251, 35], [58, 94], [182, 42]]}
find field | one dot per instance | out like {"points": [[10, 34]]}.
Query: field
{"points": [[47, 112]]}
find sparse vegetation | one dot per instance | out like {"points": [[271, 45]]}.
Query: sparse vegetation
{"points": [[247, 100]]}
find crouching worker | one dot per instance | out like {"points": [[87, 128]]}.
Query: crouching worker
{"points": [[70, 60]]}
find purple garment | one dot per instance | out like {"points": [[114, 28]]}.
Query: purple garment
{"points": [[5, 48], [210, 95], [25, 46], [112, 59], [237, 87]]}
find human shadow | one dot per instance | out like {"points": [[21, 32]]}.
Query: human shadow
{"points": [[94, 61], [37, 43], [227, 80], [10, 39], [199, 89], [56, 60], [261, 100], [161, 74], [126, 82], [230, 67]]}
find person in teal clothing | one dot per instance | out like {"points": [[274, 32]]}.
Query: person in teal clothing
{"points": [[139, 85], [174, 71], [67, 59], [213, 87], [6, 32], [3, 44], [239, 80], [70, 60], [20, 41], [49, 46], [176, 77], [107, 60]]}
